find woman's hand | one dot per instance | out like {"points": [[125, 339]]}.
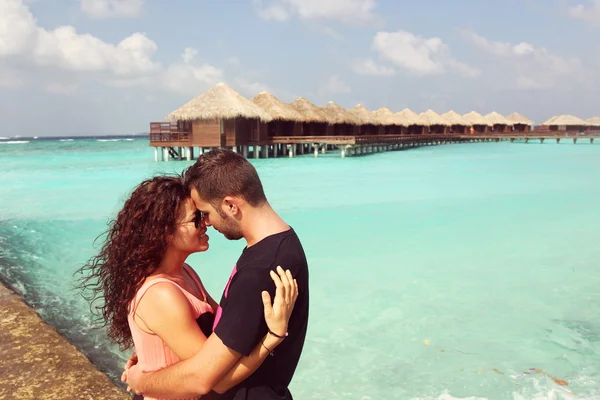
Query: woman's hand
{"points": [[286, 293]]}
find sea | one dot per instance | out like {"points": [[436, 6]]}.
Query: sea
{"points": [[460, 271]]}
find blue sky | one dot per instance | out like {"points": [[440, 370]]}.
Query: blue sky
{"points": [[111, 66]]}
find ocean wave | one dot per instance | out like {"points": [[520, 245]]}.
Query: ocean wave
{"points": [[67, 140], [16, 142]]}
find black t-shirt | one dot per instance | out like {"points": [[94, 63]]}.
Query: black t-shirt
{"points": [[240, 321]]}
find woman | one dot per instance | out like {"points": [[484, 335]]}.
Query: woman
{"points": [[152, 299]]}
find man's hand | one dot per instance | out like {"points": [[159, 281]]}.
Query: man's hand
{"points": [[133, 376], [133, 360]]}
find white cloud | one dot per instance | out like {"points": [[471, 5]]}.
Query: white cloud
{"points": [[250, 88], [335, 85], [589, 13], [65, 48], [274, 11], [528, 66], [112, 8], [125, 64], [191, 79], [347, 11], [189, 54], [419, 56], [368, 67]]}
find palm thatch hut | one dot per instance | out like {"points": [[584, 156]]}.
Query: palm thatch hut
{"points": [[344, 122], [500, 123], [221, 117], [391, 124], [566, 124], [370, 124], [437, 124], [414, 123], [520, 122], [477, 122], [457, 122], [315, 121], [286, 120], [594, 124]]}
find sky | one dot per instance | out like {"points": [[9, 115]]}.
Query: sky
{"points": [[94, 67]]}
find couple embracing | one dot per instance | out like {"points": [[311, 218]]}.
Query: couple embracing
{"points": [[187, 345]]}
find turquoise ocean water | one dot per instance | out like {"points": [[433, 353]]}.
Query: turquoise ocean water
{"points": [[436, 273]]}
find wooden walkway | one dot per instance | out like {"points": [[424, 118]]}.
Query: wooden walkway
{"points": [[358, 145]]}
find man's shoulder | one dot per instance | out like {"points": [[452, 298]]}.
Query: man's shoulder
{"points": [[280, 246]]}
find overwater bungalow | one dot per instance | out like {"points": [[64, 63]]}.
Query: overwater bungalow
{"points": [[478, 122], [500, 124], [594, 124], [520, 122], [415, 124], [344, 122], [457, 122], [220, 117], [437, 124], [564, 124], [286, 121], [391, 124], [370, 124], [315, 120]]}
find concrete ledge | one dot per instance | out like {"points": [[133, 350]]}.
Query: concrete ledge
{"points": [[38, 363]]}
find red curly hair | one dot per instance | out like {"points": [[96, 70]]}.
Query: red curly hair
{"points": [[135, 244]]}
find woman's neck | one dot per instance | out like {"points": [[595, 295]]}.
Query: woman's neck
{"points": [[172, 262]]}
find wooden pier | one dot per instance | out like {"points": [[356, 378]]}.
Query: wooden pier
{"points": [[176, 145]]}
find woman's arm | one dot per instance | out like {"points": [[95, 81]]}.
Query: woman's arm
{"points": [[165, 311]]}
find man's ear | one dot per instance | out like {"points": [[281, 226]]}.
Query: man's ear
{"points": [[231, 205]]}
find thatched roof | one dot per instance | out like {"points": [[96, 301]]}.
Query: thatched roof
{"points": [[517, 118], [219, 102], [309, 111], [365, 115], [339, 115], [434, 118], [498, 119], [594, 121], [549, 120], [277, 109], [386, 117], [566, 120], [409, 117], [454, 118], [474, 118]]}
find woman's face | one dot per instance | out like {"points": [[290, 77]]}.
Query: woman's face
{"points": [[188, 237]]}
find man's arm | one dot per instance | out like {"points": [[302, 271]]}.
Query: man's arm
{"points": [[212, 366], [193, 377]]}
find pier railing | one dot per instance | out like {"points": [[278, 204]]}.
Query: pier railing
{"points": [[183, 137]]}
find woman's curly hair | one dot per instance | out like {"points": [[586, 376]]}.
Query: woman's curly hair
{"points": [[135, 244]]}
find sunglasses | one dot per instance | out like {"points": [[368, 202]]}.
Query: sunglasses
{"points": [[198, 218]]}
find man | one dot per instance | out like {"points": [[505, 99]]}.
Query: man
{"points": [[226, 188]]}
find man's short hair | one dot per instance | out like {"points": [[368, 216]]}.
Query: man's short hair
{"points": [[220, 173]]}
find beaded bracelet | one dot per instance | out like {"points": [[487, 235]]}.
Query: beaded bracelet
{"points": [[276, 335]]}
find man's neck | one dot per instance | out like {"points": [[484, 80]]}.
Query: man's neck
{"points": [[262, 222]]}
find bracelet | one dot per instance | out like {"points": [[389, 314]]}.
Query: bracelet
{"points": [[276, 335], [271, 353]]}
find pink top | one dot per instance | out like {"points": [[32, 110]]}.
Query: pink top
{"points": [[153, 353]]}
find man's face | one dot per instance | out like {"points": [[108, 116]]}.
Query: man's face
{"points": [[217, 218]]}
